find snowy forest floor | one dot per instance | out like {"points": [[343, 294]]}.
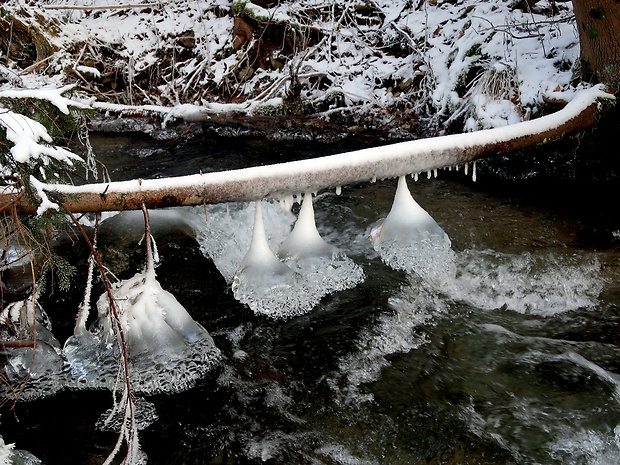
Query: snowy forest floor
{"points": [[306, 69]]}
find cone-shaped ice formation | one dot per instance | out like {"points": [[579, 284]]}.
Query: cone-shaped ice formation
{"points": [[36, 359], [324, 267], [305, 241], [409, 239], [167, 350], [262, 281]]}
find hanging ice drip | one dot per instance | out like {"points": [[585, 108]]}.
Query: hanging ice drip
{"points": [[167, 351], [409, 239], [262, 281], [315, 268], [325, 268]]}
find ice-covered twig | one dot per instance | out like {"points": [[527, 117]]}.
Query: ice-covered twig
{"points": [[129, 431], [53, 94]]}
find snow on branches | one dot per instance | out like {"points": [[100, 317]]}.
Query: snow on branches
{"points": [[33, 158]]}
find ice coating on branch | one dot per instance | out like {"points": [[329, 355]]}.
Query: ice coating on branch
{"points": [[280, 292], [262, 281], [325, 268], [167, 350], [410, 239], [36, 370]]}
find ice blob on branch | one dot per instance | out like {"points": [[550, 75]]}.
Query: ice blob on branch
{"points": [[167, 351], [262, 281], [410, 239], [310, 269], [304, 241], [34, 367], [325, 267]]}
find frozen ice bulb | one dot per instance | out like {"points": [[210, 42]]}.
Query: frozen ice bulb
{"points": [[260, 263], [305, 241], [410, 239]]}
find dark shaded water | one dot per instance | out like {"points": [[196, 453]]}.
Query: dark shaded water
{"points": [[516, 361]]}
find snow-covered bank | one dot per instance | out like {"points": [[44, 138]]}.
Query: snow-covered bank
{"points": [[380, 63]]}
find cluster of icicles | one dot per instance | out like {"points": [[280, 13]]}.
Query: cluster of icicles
{"points": [[167, 351]]}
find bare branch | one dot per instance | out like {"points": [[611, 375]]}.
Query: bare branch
{"points": [[104, 7]]}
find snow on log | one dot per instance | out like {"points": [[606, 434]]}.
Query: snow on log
{"points": [[284, 179]]}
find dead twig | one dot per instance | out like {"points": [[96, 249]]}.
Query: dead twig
{"points": [[104, 7], [128, 431]]}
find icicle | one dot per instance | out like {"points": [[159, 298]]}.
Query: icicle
{"points": [[473, 173], [374, 179], [338, 190], [415, 177], [84, 308], [466, 168], [428, 174], [155, 250], [435, 173], [456, 168]]}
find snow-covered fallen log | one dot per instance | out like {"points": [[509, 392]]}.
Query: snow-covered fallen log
{"points": [[285, 179]]}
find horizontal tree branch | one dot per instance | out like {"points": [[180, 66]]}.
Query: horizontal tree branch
{"points": [[16, 344], [284, 179], [104, 7]]}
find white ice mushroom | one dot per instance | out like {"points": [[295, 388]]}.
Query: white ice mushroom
{"points": [[167, 350], [310, 269], [305, 241], [262, 281], [326, 268], [410, 239]]}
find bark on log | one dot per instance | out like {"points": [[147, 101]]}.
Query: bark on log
{"points": [[598, 23], [280, 180]]}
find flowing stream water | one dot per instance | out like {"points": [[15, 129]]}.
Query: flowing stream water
{"points": [[516, 360]]}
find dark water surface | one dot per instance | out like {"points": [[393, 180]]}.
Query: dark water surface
{"points": [[515, 362]]}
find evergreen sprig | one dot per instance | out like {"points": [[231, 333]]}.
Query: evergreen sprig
{"points": [[37, 231]]}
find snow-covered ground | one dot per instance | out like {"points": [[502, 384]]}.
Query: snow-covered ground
{"points": [[484, 63]]}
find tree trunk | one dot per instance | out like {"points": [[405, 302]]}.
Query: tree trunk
{"points": [[598, 22]]}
